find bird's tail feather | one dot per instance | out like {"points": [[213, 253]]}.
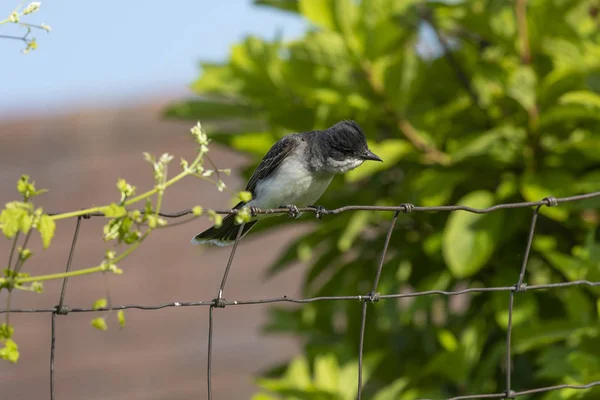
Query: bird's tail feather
{"points": [[225, 234]]}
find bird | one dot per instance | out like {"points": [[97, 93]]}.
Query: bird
{"points": [[294, 173]]}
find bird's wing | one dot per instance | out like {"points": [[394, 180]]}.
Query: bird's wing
{"points": [[272, 160]]}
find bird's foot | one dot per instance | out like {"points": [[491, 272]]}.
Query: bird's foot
{"points": [[319, 211], [292, 210], [254, 211]]}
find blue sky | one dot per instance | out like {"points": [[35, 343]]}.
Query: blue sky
{"points": [[102, 52]]}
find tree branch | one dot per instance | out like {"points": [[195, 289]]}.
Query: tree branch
{"points": [[521, 12]]}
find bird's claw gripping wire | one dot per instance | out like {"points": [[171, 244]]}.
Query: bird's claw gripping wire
{"points": [[319, 211], [292, 211], [254, 211]]}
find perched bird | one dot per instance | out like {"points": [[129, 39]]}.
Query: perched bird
{"points": [[294, 173]]}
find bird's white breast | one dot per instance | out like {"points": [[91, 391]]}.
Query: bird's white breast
{"points": [[292, 183]]}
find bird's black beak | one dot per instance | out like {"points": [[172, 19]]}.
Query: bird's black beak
{"points": [[369, 155]]}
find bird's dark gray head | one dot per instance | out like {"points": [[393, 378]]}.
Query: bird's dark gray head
{"points": [[346, 146]]}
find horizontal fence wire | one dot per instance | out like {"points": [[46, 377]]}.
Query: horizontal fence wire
{"points": [[374, 296]]}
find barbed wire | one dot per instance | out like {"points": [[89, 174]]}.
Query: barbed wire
{"points": [[372, 297]]}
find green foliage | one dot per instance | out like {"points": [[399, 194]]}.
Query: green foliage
{"points": [[328, 380], [510, 115]]}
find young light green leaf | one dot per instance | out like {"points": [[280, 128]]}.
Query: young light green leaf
{"points": [[14, 218], [217, 219], [243, 215], [25, 254], [37, 287], [27, 189], [6, 331], [99, 323], [197, 211], [100, 303], [10, 351], [46, 226], [121, 318], [245, 196]]}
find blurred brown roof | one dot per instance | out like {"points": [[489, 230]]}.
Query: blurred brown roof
{"points": [[159, 354]]}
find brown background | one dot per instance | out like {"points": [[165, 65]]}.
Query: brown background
{"points": [[159, 354]]}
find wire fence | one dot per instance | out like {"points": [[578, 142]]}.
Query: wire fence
{"points": [[374, 296]]}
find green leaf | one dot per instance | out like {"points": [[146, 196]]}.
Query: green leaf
{"points": [[46, 226], [573, 268], [397, 73], [298, 372], [557, 183], [6, 331], [324, 49], [470, 239], [100, 303], [544, 333], [390, 151], [581, 97], [355, 225], [37, 287], [257, 143], [217, 78], [522, 85], [393, 390], [27, 189], [10, 221], [450, 365], [327, 373], [245, 196], [320, 13], [524, 311], [99, 323], [197, 211], [347, 388], [121, 318], [434, 187], [503, 143], [10, 351], [447, 340]]}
